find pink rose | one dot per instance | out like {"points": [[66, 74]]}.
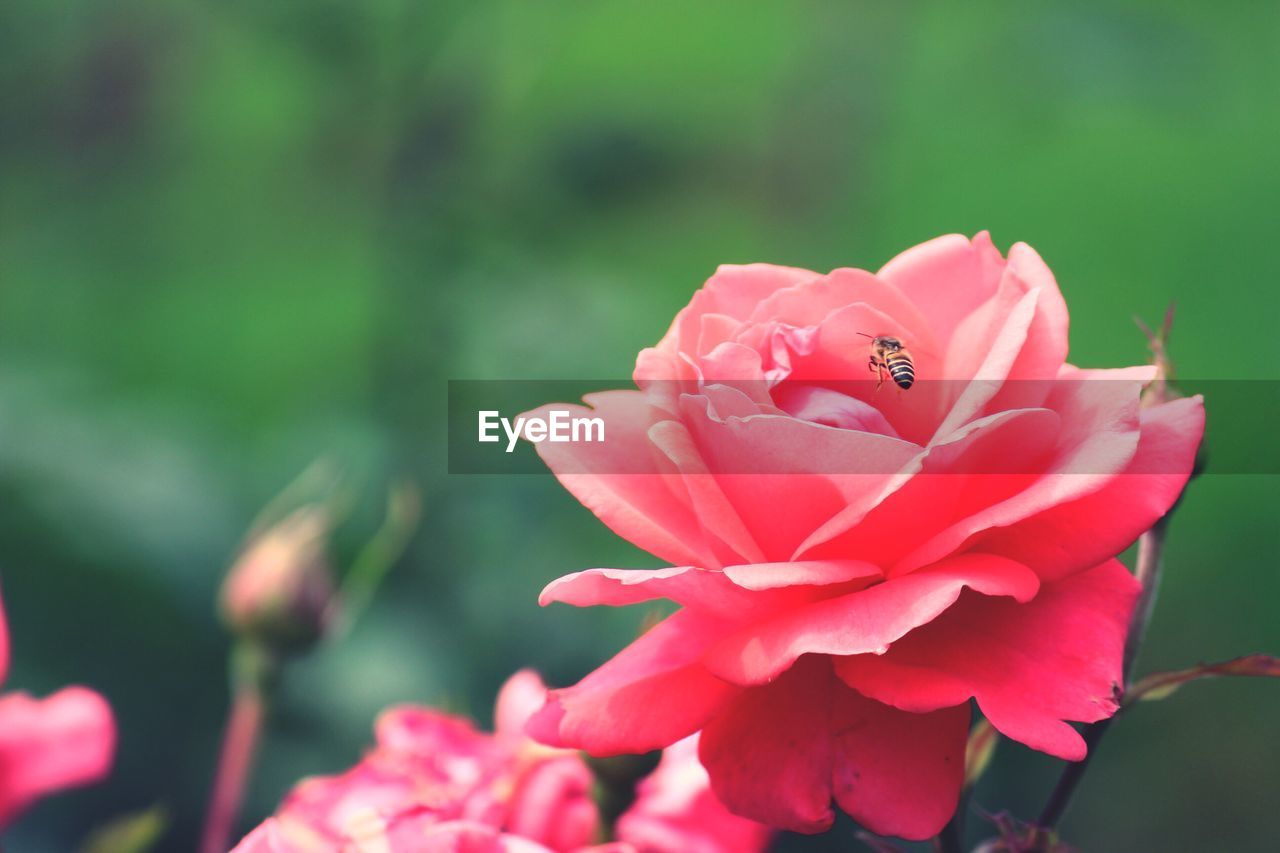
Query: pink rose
{"points": [[410, 833], [433, 782], [551, 799], [675, 811], [855, 564], [49, 744]]}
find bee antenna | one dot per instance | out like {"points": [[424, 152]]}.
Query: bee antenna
{"points": [[865, 335]]}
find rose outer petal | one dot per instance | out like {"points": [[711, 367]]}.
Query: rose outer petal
{"points": [[863, 622], [948, 277], [690, 586], [1097, 440], [648, 696], [519, 699], [1090, 529], [735, 594], [1030, 666], [779, 754], [675, 811], [627, 482]]}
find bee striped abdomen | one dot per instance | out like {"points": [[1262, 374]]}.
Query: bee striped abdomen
{"points": [[901, 370]]}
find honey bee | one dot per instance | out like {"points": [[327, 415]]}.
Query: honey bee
{"points": [[888, 355]]}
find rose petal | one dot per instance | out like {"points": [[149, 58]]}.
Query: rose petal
{"points": [[732, 362], [414, 730], [676, 812], [724, 533], [737, 400], [709, 591], [715, 329], [811, 302], [734, 291], [897, 773], [270, 837], [627, 482], [983, 351], [518, 700], [769, 753], [456, 836], [830, 407], [947, 277], [972, 469], [650, 695], [734, 594], [1085, 531], [1045, 351], [1097, 440], [821, 468], [780, 752], [1030, 666], [865, 621], [552, 804], [763, 576]]}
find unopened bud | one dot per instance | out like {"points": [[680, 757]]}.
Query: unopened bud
{"points": [[280, 591]]}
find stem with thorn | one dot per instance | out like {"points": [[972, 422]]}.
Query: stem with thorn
{"points": [[1150, 554], [1147, 572]]}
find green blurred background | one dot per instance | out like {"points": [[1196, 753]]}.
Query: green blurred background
{"points": [[236, 236]]}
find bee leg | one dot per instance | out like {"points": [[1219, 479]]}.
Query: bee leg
{"points": [[878, 369]]}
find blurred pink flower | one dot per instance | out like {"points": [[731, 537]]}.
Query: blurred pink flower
{"points": [[855, 563], [676, 812], [433, 782], [46, 745]]}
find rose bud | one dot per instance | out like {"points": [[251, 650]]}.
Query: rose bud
{"points": [[280, 590]]}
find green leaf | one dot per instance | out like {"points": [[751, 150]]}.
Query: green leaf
{"points": [[137, 832], [978, 752], [1161, 684]]}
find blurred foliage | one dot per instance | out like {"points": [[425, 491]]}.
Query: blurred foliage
{"points": [[237, 236], [138, 832]]}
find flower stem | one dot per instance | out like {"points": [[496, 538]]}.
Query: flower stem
{"points": [[1147, 571], [253, 674], [1149, 565], [1070, 778]]}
